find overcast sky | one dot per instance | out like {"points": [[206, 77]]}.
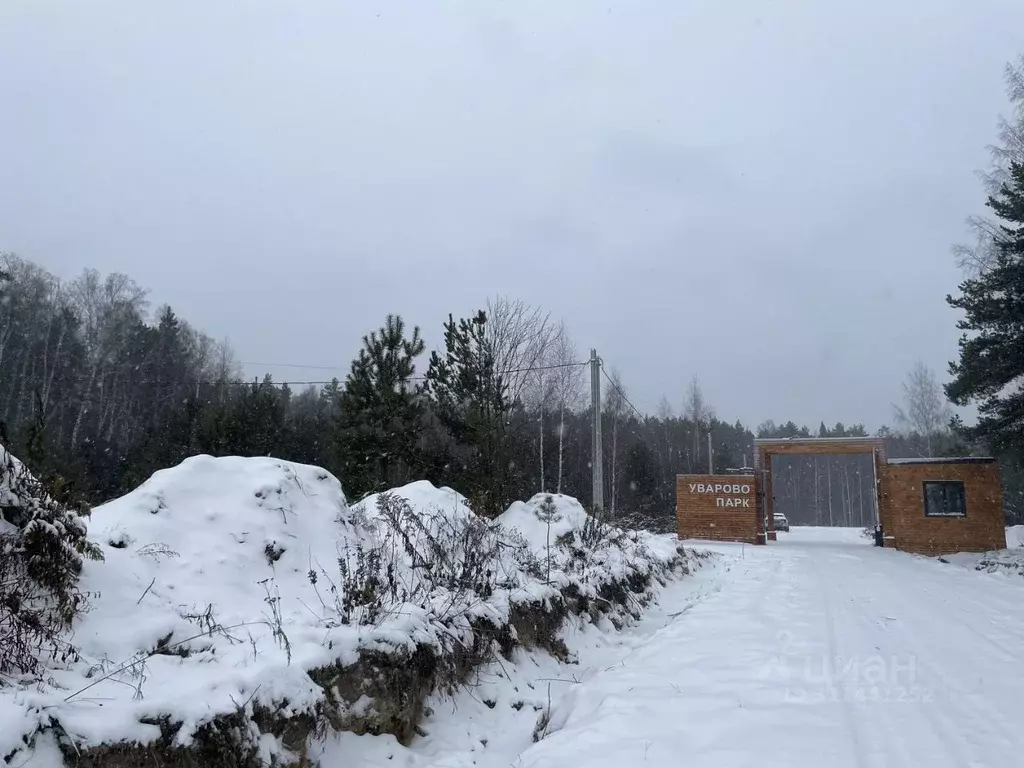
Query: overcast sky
{"points": [[760, 192]]}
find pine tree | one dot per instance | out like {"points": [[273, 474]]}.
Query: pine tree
{"points": [[380, 412], [308, 422], [42, 546], [469, 398], [251, 422], [991, 360]]}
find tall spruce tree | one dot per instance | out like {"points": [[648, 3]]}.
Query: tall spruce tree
{"points": [[380, 412], [991, 364]]}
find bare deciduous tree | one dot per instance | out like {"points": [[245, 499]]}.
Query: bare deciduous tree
{"points": [[107, 308], [665, 411], [699, 413], [926, 412], [85, 363], [519, 335], [540, 396], [34, 328], [520, 339], [615, 409], [975, 258], [568, 387]]}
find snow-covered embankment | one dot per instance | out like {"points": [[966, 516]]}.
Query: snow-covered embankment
{"points": [[244, 609]]}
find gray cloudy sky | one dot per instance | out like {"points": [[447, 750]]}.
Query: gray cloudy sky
{"points": [[762, 193]]}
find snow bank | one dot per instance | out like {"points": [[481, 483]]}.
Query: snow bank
{"points": [[1007, 561], [232, 583]]}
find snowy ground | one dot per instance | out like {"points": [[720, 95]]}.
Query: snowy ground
{"points": [[819, 649], [469, 731], [1007, 562]]}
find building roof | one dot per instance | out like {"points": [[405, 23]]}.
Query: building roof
{"points": [[945, 460], [815, 440]]}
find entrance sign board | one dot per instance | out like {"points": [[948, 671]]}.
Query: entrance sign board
{"points": [[719, 507]]}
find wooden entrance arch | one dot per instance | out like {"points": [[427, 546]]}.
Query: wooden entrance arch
{"points": [[765, 448]]}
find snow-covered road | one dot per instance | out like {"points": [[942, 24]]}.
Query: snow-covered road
{"points": [[820, 650]]}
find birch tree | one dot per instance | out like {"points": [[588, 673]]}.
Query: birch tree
{"points": [[697, 410], [107, 308], [568, 378], [518, 337], [615, 410], [925, 411]]}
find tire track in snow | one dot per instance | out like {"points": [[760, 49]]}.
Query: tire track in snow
{"points": [[882, 720], [967, 707], [850, 720], [933, 640], [1006, 655]]}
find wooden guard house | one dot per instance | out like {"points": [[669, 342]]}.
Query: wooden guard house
{"points": [[928, 506]]}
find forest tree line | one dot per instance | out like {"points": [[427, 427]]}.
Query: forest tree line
{"points": [[96, 386]]}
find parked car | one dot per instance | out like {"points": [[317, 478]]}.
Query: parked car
{"points": [[781, 523]]}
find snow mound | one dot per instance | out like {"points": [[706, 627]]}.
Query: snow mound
{"points": [[207, 533], [454, 564], [198, 605], [575, 550], [230, 583], [429, 501], [538, 526]]}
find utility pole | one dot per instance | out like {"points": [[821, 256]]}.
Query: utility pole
{"points": [[596, 457], [711, 459]]}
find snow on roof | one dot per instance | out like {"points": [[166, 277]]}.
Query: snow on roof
{"points": [[945, 460], [814, 440]]}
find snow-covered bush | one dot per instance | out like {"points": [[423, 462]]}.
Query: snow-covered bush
{"points": [[1008, 561], [419, 546], [42, 545], [583, 556], [428, 550]]}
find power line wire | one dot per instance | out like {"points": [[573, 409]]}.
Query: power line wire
{"points": [[621, 393], [324, 382], [552, 366], [294, 365], [420, 376]]}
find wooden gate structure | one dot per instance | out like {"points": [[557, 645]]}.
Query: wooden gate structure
{"points": [[925, 505], [765, 448]]}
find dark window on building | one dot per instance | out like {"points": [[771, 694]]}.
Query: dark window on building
{"points": [[944, 499]]}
